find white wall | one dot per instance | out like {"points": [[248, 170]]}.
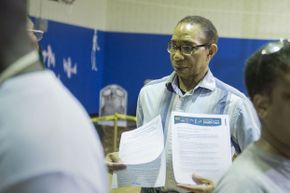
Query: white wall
{"points": [[261, 19], [86, 13]]}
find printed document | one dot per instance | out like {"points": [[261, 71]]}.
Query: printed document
{"points": [[200, 146], [142, 152]]}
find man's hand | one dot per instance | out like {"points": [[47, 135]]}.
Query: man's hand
{"points": [[114, 163], [203, 185]]}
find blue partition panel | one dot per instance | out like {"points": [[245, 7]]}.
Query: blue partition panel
{"points": [[69, 51]]}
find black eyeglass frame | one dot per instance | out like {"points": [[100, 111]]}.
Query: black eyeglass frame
{"points": [[181, 48]]}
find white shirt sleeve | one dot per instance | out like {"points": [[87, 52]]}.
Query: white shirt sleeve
{"points": [[56, 183]]}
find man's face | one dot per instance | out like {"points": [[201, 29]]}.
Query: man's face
{"points": [[32, 36], [33, 40], [277, 114], [196, 64]]}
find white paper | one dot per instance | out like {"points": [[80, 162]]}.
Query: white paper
{"points": [[141, 150], [200, 145]]}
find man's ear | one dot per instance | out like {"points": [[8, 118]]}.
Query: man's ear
{"points": [[213, 48], [261, 103]]}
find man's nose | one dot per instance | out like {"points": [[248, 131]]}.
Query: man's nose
{"points": [[178, 55]]}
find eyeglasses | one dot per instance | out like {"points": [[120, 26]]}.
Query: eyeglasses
{"points": [[185, 49], [38, 33], [275, 47]]}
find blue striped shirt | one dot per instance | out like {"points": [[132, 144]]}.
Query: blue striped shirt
{"points": [[210, 96]]}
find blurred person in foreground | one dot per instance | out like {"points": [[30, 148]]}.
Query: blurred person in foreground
{"points": [[264, 167], [192, 88], [47, 141]]}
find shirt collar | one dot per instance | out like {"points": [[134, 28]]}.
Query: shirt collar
{"points": [[208, 82]]}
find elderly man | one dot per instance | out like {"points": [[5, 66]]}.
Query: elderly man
{"points": [[192, 88]]}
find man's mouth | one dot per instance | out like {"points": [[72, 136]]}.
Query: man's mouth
{"points": [[180, 67]]}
